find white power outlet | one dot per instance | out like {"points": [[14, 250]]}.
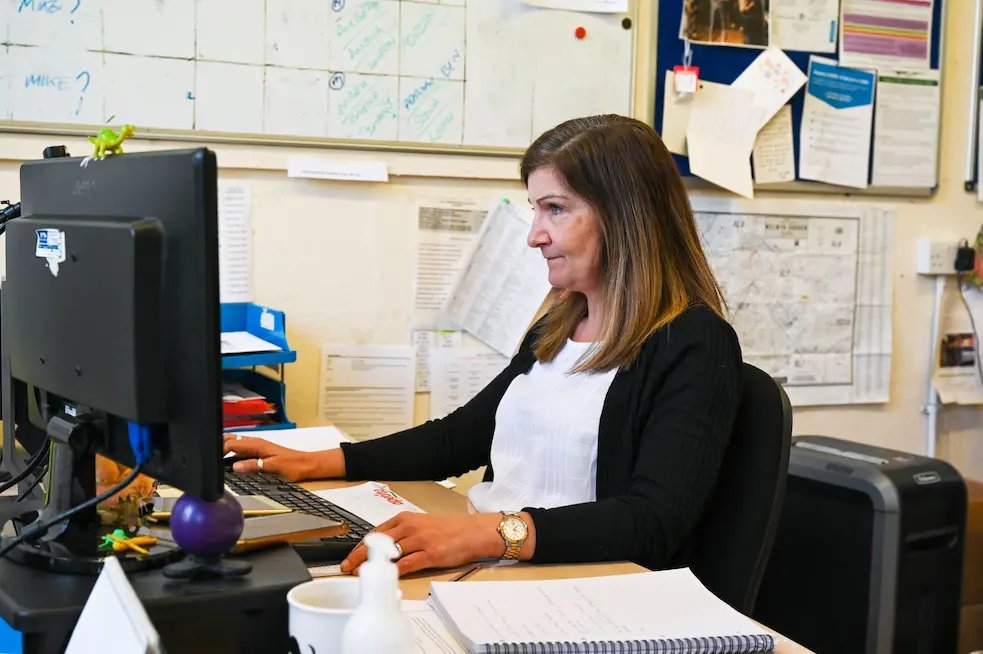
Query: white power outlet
{"points": [[936, 257]]}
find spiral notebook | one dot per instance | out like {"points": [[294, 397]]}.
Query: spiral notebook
{"points": [[666, 611]]}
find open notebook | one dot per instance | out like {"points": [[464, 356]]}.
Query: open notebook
{"points": [[666, 611]]}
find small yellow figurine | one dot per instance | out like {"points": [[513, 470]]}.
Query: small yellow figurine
{"points": [[108, 142]]}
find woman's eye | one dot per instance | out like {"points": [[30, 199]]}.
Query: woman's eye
{"points": [[554, 209]]}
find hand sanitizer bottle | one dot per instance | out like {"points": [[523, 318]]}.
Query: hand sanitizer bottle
{"points": [[378, 625]]}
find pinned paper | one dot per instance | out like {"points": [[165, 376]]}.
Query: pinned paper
{"points": [[837, 118], [686, 79], [720, 137], [774, 152], [773, 78], [676, 111]]}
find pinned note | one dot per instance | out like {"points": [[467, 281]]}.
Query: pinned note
{"points": [[773, 78], [720, 138], [676, 110], [774, 152]]}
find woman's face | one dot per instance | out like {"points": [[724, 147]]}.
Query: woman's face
{"points": [[567, 232]]}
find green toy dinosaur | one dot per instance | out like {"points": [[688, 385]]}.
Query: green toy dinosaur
{"points": [[108, 142]]}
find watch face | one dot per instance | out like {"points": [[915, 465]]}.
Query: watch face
{"points": [[514, 529]]}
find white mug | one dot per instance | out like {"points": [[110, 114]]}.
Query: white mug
{"points": [[319, 610]]}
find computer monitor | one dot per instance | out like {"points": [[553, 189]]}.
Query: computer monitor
{"points": [[111, 307]]}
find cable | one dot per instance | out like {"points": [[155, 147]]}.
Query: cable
{"points": [[32, 464], [9, 212], [34, 484], [39, 528], [976, 333]]}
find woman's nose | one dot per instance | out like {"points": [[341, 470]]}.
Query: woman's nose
{"points": [[538, 237]]}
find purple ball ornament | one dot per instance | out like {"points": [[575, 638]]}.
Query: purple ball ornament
{"points": [[207, 529]]}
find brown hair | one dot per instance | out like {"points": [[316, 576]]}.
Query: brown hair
{"points": [[653, 263]]}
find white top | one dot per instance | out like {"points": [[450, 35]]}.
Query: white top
{"points": [[544, 450]]}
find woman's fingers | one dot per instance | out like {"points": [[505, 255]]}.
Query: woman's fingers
{"points": [[244, 446], [354, 559], [413, 563]]}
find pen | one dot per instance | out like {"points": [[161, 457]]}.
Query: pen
{"points": [[467, 573]]}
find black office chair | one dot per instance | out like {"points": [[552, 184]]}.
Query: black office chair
{"points": [[733, 541]]}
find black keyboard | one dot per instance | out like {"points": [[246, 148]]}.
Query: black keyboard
{"points": [[296, 497]]}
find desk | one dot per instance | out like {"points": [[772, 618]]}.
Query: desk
{"points": [[434, 498]]}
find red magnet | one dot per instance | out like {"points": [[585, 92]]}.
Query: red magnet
{"points": [[580, 32]]}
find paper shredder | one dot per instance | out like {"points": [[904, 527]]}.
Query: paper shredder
{"points": [[868, 553]]}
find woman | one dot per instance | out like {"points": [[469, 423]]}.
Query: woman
{"points": [[606, 431]]}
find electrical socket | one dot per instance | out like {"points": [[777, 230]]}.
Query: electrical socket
{"points": [[936, 257]]}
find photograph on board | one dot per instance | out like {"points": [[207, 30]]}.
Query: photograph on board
{"points": [[727, 22]]}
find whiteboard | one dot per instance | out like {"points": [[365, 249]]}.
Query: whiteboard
{"points": [[447, 73]]}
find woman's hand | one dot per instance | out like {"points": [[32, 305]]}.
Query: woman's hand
{"points": [[291, 465], [438, 541]]}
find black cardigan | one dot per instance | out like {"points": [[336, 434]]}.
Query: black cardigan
{"points": [[665, 424]]}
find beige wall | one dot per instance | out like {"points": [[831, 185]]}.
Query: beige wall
{"points": [[339, 259]]}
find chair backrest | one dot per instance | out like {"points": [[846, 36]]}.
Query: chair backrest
{"points": [[733, 541]]}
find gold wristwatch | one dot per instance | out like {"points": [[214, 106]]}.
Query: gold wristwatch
{"points": [[513, 530]]}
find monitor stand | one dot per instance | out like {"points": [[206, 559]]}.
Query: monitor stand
{"points": [[45, 584], [73, 547]]}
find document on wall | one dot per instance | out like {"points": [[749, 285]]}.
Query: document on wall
{"points": [[446, 234], [773, 78], [676, 110], [906, 128], [774, 150], [956, 371], [367, 391], [805, 25], [458, 374], [235, 242], [837, 118], [720, 137], [886, 34], [427, 341], [504, 283], [811, 287]]}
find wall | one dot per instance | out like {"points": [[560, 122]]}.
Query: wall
{"points": [[339, 258]]}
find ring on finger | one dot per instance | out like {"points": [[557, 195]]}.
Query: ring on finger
{"points": [[399, 552], [259, 463]]}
